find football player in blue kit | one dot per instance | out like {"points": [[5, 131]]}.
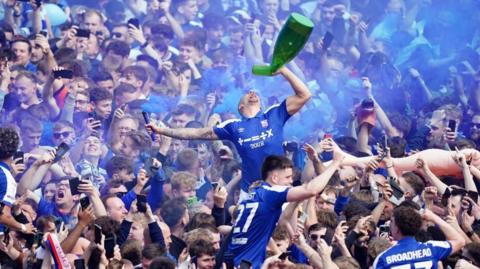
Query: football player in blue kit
{"points": [[258, 215], [408, 253], [257, 134]]}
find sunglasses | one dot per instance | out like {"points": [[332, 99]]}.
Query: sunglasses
{"points": [[62, 134], [476, 125], [121, 194], [315, 237]]}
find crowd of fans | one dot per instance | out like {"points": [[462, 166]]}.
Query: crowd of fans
{"points": [[134, 135]]}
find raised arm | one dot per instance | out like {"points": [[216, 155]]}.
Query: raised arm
{"points": [[302, 93], [453, 237], [205, 133], [315, 186]]}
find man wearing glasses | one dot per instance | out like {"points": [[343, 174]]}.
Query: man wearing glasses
{"points": [[63, 132]]}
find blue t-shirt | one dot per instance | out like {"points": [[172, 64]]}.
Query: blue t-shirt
{"points": [[255, 139], [8, 187], [409, 253], [256, 219]]}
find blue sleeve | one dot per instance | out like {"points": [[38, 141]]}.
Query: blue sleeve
{"points": [[155, 195], [124, 231], [340, 204], [440, 249], [128, 199], [3, 188], [278, 113], [276, 195], [156, 234], [225, 130]]}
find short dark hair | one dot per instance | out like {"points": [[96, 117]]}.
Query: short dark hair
{"points": [[213, 21], [9, 141], [124, 88], [473, 249], [99, 94], [149, 59], [274, 162], [397, 146], [132, 250], [198, 219], [173, 210], [24, 40], [184, 109], [119, 48], [102, 76], [162, 263], [137, 71], [415, 181], [117, 163], [201, 247], [150, 251], [408, 220]]}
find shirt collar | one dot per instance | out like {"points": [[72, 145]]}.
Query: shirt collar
{"points": [[258, 115], [407, 239]]}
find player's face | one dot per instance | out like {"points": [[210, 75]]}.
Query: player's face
{"points": [[285, 177]]}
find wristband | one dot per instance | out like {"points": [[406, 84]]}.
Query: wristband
{"points": [[144, 45], [23, 228]]}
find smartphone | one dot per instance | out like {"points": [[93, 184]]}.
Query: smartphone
{"points": [[327, 40], [214, 185], [98, 234], [327, 136], [79, 264], [302, 217], [62, 149], [285, 255], [44, 33], [135, 22], [37, 240], [64, 73], [19, 155], [452, 125], [141, 203], [74, 182], [110, 243], [384, 228], [84, 202], [397, 197], [83, 33], [244, 264]]}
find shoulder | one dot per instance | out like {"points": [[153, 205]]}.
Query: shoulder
{"points": [[274, 188], [438, 244], [275, 106], [227, 122]]}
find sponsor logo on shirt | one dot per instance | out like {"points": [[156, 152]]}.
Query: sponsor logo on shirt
{"points": [[241, 130], [262, 137], [264, 123]]}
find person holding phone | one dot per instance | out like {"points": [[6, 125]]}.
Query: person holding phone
{"points": [[9, 142], [257, 135]]}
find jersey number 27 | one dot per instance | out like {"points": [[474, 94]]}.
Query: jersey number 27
{"points": [[251, 208]]}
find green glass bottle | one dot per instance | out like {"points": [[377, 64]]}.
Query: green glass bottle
{"points": [[291, 40]]}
